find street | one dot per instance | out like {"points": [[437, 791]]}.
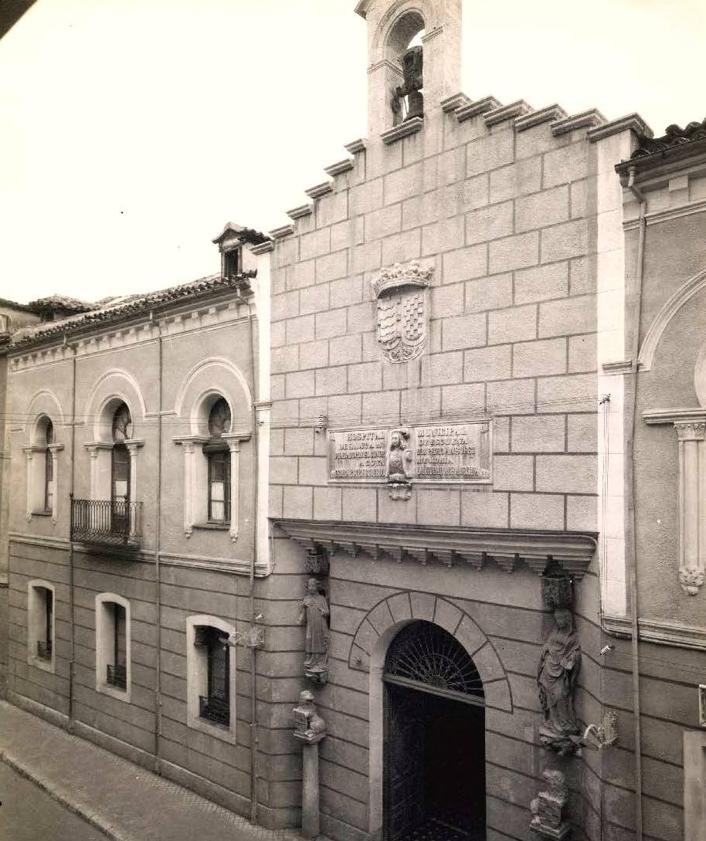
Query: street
{"points": [[29, 814]]}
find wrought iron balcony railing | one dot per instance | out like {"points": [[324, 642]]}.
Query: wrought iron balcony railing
{"points": [[117, 676], [44, 650], [106, 522], [214, 709]]}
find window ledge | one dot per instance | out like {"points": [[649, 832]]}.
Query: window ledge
{"points": [[114, 692], [41, 513], [212, 526], [218, 731], [404, 129], [41, 663]]}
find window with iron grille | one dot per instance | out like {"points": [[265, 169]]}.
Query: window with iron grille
{"points": [[116, 672], [113, 645], [41, 624], [214, 705]]}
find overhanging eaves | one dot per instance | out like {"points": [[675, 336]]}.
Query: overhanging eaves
{"points": [[572, 551]]}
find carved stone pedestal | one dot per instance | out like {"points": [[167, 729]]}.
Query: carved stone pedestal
{"points": [[310, 729], [564, 831], [548, 818]]}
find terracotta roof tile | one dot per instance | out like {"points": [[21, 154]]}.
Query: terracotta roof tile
{"points": [[116, 309]]}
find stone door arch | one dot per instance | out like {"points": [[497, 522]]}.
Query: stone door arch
{"points": [[368, 652]]}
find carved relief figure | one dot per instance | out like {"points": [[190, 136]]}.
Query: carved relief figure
{"points": [[399, 456], [315, 613], [548, 807], [559, 666], [308, 724], [399, 465]]}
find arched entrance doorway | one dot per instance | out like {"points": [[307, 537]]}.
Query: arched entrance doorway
{"points": [[434, 738]]}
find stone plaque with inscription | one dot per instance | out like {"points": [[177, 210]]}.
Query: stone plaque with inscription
{"points": [[429, 454], [453, 453], [358, 455]]}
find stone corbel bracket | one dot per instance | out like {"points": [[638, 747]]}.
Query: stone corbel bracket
{"points": [[475, 547], [690, 428]]}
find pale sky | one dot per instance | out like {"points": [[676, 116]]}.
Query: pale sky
{"points": [[132, 130]]}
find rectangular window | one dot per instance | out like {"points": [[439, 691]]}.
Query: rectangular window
{"points": [[215, 704], [40, 625], [113, 646], [120, 490], [45, 646], [231, 261], [219, 487], [116, 672]]}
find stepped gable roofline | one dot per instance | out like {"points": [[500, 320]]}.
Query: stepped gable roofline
{"points": [[675, 143], [248, 235], [120, 309]]}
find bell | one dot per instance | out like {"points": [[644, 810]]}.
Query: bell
{"points": [[415, 104]]}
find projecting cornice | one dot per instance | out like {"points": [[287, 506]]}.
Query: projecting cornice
{"points": [[507, 548]]}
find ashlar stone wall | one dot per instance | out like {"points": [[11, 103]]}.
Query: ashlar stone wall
{"points": [[508, 207], [506, 220]]}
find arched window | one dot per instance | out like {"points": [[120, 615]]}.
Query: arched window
{"points": [[49, 468], [218, 455], [120, 466], [219, 423], [41, 469]]}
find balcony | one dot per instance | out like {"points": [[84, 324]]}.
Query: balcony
{"points": [[102, 522]]}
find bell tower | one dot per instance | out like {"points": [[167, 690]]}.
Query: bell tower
{"points": [[414, 58]]}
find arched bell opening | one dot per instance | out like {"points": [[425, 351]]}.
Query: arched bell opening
{"points": [[404, 50], [434, 738]]}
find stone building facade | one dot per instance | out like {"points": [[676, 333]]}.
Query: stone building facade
{"points": [[470, 267], [432, 451], [12, 316], [138, 526]]}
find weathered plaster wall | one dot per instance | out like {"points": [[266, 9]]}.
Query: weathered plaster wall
{"points": [[39, 549], [670, 673]]}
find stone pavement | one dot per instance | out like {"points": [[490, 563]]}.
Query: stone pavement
{"points": [[124, 801]]}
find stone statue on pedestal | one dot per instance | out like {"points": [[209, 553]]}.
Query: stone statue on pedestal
{"points": [[558, 671], [315, 613], [548, 820]]}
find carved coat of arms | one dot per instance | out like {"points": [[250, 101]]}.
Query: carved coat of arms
{"points": [[402, 310]]}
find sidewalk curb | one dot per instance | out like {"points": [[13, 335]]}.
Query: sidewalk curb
{"points": [[56, 793]]}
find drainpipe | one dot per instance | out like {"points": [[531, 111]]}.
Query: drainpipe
{"points": [[157, 557], [72, 661], [630, 451], [252, 641]]}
